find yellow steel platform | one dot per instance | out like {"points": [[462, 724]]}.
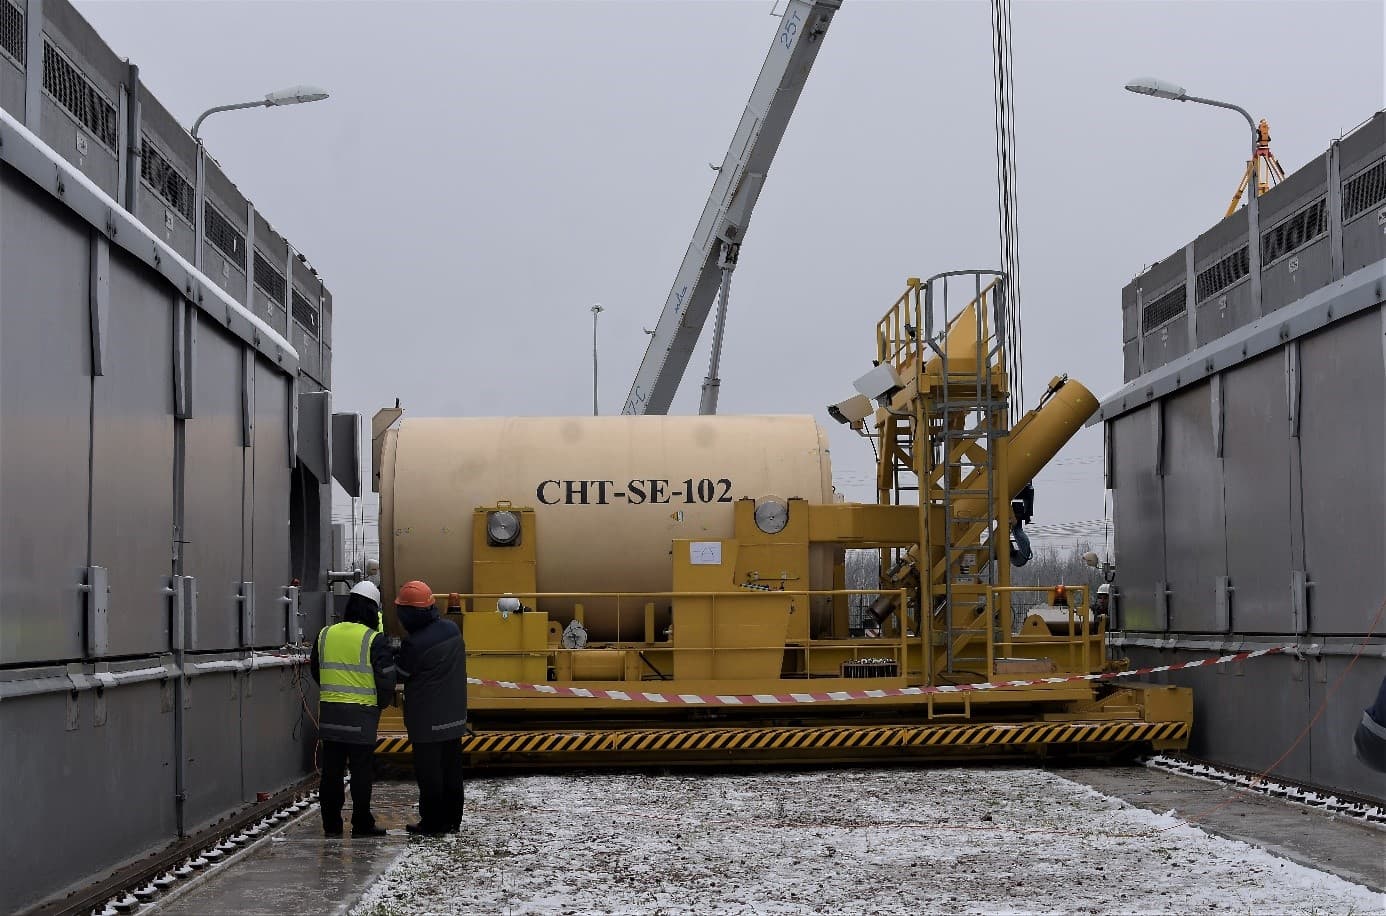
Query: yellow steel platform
{"points": [[723, 745]]}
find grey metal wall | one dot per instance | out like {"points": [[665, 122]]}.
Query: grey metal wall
{"points": [[1247, 461], [150, 408], [1318, 225]]}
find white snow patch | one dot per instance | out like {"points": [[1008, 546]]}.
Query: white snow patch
{"points": [[893, 840]]}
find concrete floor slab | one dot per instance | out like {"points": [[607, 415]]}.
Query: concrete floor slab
{"points": [[298, 870], [1338, 845]]}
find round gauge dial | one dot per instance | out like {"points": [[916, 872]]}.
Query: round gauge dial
{"points": [[772, 515], [503, 527]]}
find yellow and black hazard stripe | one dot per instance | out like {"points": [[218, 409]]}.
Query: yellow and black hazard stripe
{"points": [[713, 741]]}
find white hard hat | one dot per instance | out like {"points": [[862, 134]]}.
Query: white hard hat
{"points": [[367, 589], [1104, 589]]}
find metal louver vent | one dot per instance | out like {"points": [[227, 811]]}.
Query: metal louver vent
{"points": [[305, 313], [1170, 305], [1364, 191], [164, 179], [73, 91], [221, 233], [1296, 232], [12, 30], [1213, 280], [270, 281]]}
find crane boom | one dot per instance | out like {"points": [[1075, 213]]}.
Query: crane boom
{"points": [[728, 210]]}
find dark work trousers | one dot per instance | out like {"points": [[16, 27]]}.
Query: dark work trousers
{"points": [[336, 755], [438, 769]]}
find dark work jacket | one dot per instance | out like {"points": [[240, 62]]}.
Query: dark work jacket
{"points": [[1370, 740], [433, 666], [355, 723]]}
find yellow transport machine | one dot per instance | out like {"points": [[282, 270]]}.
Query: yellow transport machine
{"points": [[628, 601]]}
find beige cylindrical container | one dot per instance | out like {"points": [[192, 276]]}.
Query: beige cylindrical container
{"points": [[609, 495]]}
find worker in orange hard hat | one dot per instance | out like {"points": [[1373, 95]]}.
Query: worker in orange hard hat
{"points": [[432, 664]]}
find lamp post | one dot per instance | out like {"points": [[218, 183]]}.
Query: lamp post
{"points": [[1160, 89], [596, 310], [294, 95]]}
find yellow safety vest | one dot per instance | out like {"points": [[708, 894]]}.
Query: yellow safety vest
{"points": [[344, 664]]}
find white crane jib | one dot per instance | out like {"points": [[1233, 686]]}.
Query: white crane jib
{"points": [[713, 252]]}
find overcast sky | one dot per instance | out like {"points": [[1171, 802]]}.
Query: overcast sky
{"points": [[485, 172]]}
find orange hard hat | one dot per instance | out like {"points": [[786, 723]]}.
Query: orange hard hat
{"points": [[415, 594]]}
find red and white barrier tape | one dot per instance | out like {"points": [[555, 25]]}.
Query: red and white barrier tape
{"points": [[835, 696]]}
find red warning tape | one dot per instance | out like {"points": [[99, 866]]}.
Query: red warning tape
{"points": [[835, 696]]}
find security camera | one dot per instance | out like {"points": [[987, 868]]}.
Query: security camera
{"points": [[880, 383], [851, 411]]}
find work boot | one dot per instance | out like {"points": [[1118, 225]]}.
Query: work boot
{"points": [[422, 830], [372, 830]]}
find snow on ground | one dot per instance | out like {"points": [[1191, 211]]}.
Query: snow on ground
{"points": [[894, 840]]}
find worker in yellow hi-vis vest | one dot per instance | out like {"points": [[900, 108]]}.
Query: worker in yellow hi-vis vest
{"points": [[355, 671]]}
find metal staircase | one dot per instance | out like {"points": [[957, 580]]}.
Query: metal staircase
{"points": [[944, 456]]}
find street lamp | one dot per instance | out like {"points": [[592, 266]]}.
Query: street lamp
{"points": [[1160, 89], [596, 310], [294, 95], [1149, 85]]}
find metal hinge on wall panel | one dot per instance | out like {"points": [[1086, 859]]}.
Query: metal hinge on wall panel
{"points": [[100, 301], [1299, 601], [293, 422], [183, 612], [247, 397], [1107, 455], [293, 618], [180, 358], [188, 607], [191, 374], [247, 603], [1222, 604], [98, 717], [1157, 416], [96, 622], [1162, 606], [184, 357], [1292, 386], [1215, 409]]}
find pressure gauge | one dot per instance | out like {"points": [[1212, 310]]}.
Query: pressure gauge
{"points": [[772, 514], [502, 528]]}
